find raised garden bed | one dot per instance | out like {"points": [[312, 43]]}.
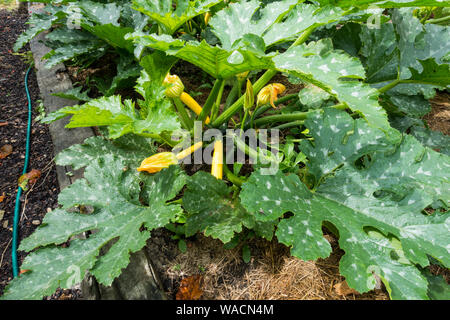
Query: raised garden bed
{"points": [[195, 231]]}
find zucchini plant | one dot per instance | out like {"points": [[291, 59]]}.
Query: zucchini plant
{"points": [[354, 156]]}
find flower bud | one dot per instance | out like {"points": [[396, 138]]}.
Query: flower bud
{"points": [[174, 85], [249, 100]]}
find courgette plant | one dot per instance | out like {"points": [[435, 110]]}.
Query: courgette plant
{"points": [[346, 161]]}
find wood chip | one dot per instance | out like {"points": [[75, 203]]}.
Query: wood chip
{"points": [[343, 289]]}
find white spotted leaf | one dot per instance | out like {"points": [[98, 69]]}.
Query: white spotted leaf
{"points": [[212, 211], [155, 115], [337, 73], [214, 60], [170, 19], [126, 204], [373, 195]]}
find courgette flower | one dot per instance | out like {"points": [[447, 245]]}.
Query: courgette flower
{"points": [[270, 94], [158, 161], [175, 86], [176, 90], [249, 99], [163, 160]]}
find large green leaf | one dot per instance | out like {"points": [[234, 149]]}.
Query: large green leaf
{"points": [[114, 188], [99, 13], [337, 73], [419, 42], [408, 51], [438, 289], [68, 43], [218, 62], [113, 35], [168, 18], [132, 148], [212, 211], [432, 73], [155, 116], [373, 196], [384, 3], [380, 52], [239, 19], [39, 22], [302, 17]]}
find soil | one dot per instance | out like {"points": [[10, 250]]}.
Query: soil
{"points": [[439, 117], [42, 196]]}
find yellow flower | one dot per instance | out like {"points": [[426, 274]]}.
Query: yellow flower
{"points": [[270, 94], [217, 160], [177, 91], [163, 160], [175, 86], [158, 161]]}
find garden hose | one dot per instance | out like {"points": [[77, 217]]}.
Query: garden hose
{"points": [[19, 191]]}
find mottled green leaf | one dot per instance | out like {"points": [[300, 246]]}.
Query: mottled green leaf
{"points": [[39, 22], [384, 3], [111, 186], [131, 148], [373, 196], [216, 61], [419, 42], [302, 17], [232, 23], [171, 19], [337, 73], [212, 211], [156, 115]]}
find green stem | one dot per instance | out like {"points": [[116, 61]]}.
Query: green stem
{"points": [[232, 177], [281, 118], [211, 99], [216, 107], [235, 107], [438, 20], [259, 111], [304, 36], [186, 121], [290, 124], [243, 122], [166, 138], [290, 117], [252, 153], [231, 98], [162, 137], [389, 86]]}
